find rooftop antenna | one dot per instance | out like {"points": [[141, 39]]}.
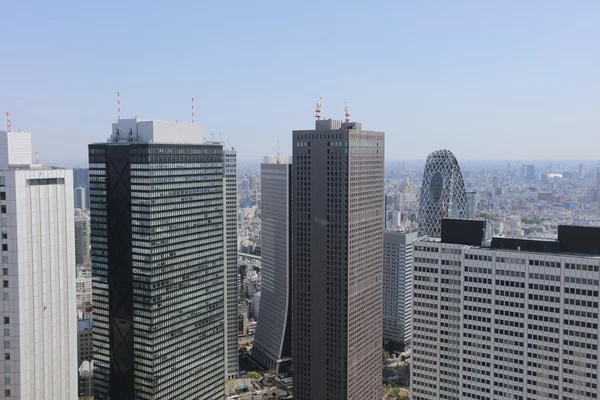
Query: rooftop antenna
{"points": [[347, 112], [37, 157], [318, 109], [212, 136], [278, 160], [118, 106], [192, 110], [8, 126]]}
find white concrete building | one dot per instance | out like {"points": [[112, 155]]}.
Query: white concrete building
{"points": [[38, 268], [397, 286], [506, 318]]}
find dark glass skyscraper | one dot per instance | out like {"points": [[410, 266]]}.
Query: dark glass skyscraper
{"points": [[337, 257], [158, 263], [273, 338]]}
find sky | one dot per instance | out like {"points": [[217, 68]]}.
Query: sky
{"points": [[486, 79]]}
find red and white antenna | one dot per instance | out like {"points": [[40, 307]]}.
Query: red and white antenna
{"points": [[118, 106], [192, 110], [8, 126], [318, 109], [278, 160], [347, 112]]}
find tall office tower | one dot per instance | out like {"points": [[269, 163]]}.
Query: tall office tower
{"points": [[337, 261], [495, 182], [158, 263], [443, 193], [80, 198], [472, 204], [530, 172], [231, 268], [506, 318], [38, 264], [397, 286], [273, 338], [581, 171], [253, 181], [81, 179]]}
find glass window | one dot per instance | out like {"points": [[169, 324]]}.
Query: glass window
{"points": [[7, 344], [6, 331]]}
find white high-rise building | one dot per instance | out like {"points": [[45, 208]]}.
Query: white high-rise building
{"points": [[509, 318], [397, 286], [38, 268]]}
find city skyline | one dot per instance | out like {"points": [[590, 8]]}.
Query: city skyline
{"points": [[427, 73]]}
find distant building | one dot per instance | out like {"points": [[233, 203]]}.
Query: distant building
{"points": [[255, 307], [530, 175], [472, 200], [506, 318], [581, 171], [254, 183], [443, 193], [83, 293], [337, 253], [80, 198], [85, 352], [38, 263], [273, 338], [82, 241], [397, 286], [81, 180], [495, 182]]}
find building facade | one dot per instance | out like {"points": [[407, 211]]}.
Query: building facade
{"points": [[158, 263], [38, 264], [443, 193], [231, 261], [80, 198], [273, 339], [85, 352], [81, 180], [337, 257], [506, 318], [397, 286], [82, 240]]}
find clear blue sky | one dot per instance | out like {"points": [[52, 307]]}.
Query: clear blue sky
{"points": [[486, 79]]}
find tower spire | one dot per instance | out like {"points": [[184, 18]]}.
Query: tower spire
{"points": [[318, 109], [278, 159], [118, 106], [347, 112], [8, 126], [192, 110]]}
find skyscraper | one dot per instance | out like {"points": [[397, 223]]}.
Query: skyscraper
{"points": [[158, 263], [397, 286], [581, 170], [81, 179], [506, 318], [38, 264], [273, 338], [530, 172], [231, 268], [471, 204], [443, 193], [337, 256], [80, 199]]}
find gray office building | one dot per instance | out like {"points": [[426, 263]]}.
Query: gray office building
{"points": [[272, 340], [158, 263], [397, 286], [231, 269], [79, 197], [337, 257], [81, 180]]}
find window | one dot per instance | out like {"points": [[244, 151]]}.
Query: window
{"points": [[3, 221], [4, 246], [2, 181], [7, 344], [6, 392], [7, 356], [5, 236], [6, 320], [3, 209], [5, 296], [7, 380], [4, 271], [2, 195], [5, 283], [4, 259], [6, 331], [6, 368]]}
